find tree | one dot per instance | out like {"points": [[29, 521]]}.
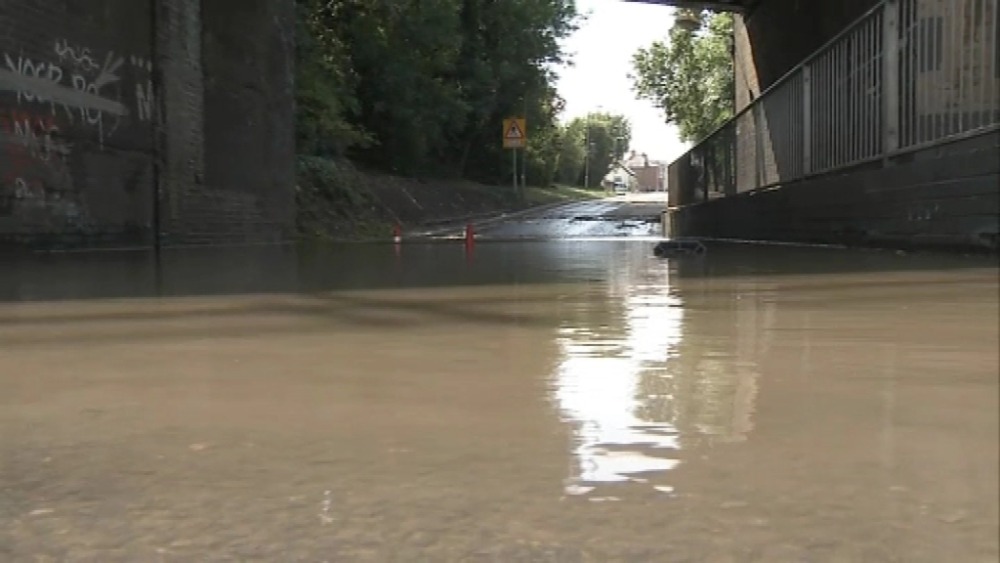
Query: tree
{"points": [[509, 49], [403, 54], [569, 168], [609, 137], [543, 151], [325, 85], [690, 76], [421, 87]]}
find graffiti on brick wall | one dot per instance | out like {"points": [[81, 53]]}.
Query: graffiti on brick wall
{"points": [[144, 99], [85, 85], [33, 150], [72, 88], [35, 155]]}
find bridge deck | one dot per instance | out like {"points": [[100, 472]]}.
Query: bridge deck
{"points": [[741, 6]]}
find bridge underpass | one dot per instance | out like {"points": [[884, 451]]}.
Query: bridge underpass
{"points": [[178, 127], [738, 6], [561, 400]]}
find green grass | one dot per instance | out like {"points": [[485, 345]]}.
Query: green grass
{"points": [[559, 193], [337, 201]]}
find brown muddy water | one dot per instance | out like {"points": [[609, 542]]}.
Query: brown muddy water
{"points": [[564, 401]]}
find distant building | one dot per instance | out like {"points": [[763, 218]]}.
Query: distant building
{"points": [[650, 175], [620, 173]]}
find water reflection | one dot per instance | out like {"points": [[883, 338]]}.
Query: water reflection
{"points": [[611, 347], [648, 365], [841, 417], [727, 335]]}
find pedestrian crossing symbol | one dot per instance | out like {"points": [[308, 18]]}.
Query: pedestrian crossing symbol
{"points": [[514, 133]]}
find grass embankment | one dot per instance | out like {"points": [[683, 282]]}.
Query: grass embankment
{"points": [[338, 201], [542, 196]]}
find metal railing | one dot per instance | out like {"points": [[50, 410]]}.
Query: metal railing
{"points": [[908, 74]]}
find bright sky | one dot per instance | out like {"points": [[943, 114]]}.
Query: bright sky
{"points": [[602, 52]]}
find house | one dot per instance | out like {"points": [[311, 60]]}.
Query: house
{"points": [[650, 175], [620, 173]]}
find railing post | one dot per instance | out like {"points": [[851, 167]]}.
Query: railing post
{"points": [[890, 77], [806, 119], [731, 158], [758, 142]]}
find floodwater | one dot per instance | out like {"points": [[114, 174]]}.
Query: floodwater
{"points": [[560, 401]]}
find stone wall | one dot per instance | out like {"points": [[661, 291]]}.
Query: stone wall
{"points": [[132, 123]]}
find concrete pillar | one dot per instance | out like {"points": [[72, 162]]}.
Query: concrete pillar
{"points": [[180, 126], [249, 50], [226, 138]]}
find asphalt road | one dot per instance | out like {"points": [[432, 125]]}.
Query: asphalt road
{"points": [[635, 215]]}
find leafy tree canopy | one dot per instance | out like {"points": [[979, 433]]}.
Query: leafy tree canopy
{"points": [[609, 137], [690, 76], [421, 86]]}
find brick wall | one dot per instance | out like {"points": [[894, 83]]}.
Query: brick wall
{"points": [[648, 178], [115, 128], [249, 119], [181, 143], [76, 122]]}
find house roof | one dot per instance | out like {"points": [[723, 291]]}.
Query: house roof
{"points": [[741, 6], [619, 166], [640, 161]]}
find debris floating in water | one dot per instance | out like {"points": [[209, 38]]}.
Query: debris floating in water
{"points": [[679, 247]]}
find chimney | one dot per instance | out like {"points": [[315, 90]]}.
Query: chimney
{"points": [[645, 160]]}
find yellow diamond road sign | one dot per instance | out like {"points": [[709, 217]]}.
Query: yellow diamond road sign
{"points": [[515, 134]]}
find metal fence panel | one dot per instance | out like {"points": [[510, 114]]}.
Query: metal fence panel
{"points": [[845, 89], [949, 79], [911, 73]]}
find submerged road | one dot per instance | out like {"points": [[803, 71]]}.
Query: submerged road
{"points": [[634, 215], [557, 400]]}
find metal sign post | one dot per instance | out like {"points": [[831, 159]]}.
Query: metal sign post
{"points": [[513, 154]]}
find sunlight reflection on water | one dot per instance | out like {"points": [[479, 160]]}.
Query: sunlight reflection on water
{"points": [[598, 387]]}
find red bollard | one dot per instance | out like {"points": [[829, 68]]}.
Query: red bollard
{"points": [[470, 235], [470, 243], [397, 234]]}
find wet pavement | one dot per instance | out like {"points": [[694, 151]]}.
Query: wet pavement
{"points": [[572, 400], [630, 216]]}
